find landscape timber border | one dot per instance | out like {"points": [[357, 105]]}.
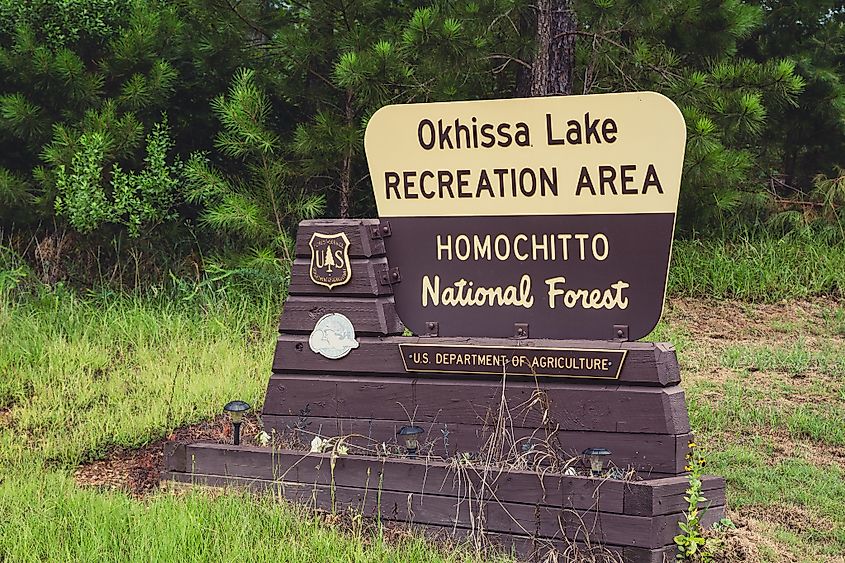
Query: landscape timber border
{"points": [[370, 393]]}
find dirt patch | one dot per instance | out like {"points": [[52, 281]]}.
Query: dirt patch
{"points": [[733, 321], [137, 471], [711, 328], [750, 540], [757, 526], [6, 418], [784, 447]]}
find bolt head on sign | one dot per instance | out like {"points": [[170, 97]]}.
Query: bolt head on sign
{"points": [[557, 212]]}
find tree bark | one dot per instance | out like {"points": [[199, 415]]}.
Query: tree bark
{"points": [[554, 60], [346, 167]]}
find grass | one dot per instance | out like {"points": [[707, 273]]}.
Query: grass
{"points": [[49, 519], [82, 375], [763, 269], [767, 400]]}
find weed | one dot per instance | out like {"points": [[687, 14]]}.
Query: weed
{"points": [[694, 543]]}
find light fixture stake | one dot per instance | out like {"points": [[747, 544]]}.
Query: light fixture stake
{"points": [[410, 434], [596, 457], [236, 411]]}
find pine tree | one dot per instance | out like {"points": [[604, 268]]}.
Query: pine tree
{"points": [[804, 150], [251, 198], [338, 63], [689, 50], [80, 78]]}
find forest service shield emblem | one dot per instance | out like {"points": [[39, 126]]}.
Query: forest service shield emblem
{"points": [[330, 264]]}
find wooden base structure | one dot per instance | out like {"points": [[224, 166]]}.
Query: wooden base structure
{"points": [[636, 519], [637, 411]]}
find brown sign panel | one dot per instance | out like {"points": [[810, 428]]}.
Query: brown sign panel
{"points": [[555, 213], [513, 360]]}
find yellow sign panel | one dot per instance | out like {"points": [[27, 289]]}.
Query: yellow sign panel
{"points": [[563, 155]]}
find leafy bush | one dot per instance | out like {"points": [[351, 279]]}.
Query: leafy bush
{"points": [[136, 199]]}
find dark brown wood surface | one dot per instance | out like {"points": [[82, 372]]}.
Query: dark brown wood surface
{"points": [[406, 475], [369, 316], [646, 363], [510, 518], [359, 232], [637, 498], [646, 453], [538, 550], [365, 280], [522, 509], [666, 496], [566, 406]]}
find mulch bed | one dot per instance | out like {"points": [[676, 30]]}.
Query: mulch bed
{"points": [[137, 471]]}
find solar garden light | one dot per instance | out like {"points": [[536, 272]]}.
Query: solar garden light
{"points": [[236, 411], [410, 434], [596, 457]]}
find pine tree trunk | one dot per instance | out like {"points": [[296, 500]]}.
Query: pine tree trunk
{"points": [[346, 168], [345, 186], [554, 61]]}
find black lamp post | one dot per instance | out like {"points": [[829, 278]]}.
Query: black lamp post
{"points": [[410, 434], [596, 457], [236, 411]]}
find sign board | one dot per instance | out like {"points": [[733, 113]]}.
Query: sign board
{"points": [[552, 214], [514, 360]]}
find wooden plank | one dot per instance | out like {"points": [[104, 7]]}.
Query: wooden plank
{"points": [[175, 457], [358, 231], [667, 495], [646, 363], [372, 317], [646, 453], [408, 476], [567, 406], [544, 550], [364, 282], [524, 519]]}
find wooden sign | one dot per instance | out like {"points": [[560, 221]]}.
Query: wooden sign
{"points": [[550, 215], [343, 370]]}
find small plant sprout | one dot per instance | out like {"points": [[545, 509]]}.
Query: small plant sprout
{"points": [[236, 411], [411, 436], [596, 457]]}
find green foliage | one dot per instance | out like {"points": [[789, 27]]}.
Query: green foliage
{"points": [[146, 198], [692, 542], [690, 50], [136, 199], [81, 197], [759, 267], [380, 53], [83, 83], [255, 202], [63, 22], [808, 137]]}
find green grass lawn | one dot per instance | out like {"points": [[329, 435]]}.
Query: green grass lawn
{"points": [[765, 387], [82, 375]]}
